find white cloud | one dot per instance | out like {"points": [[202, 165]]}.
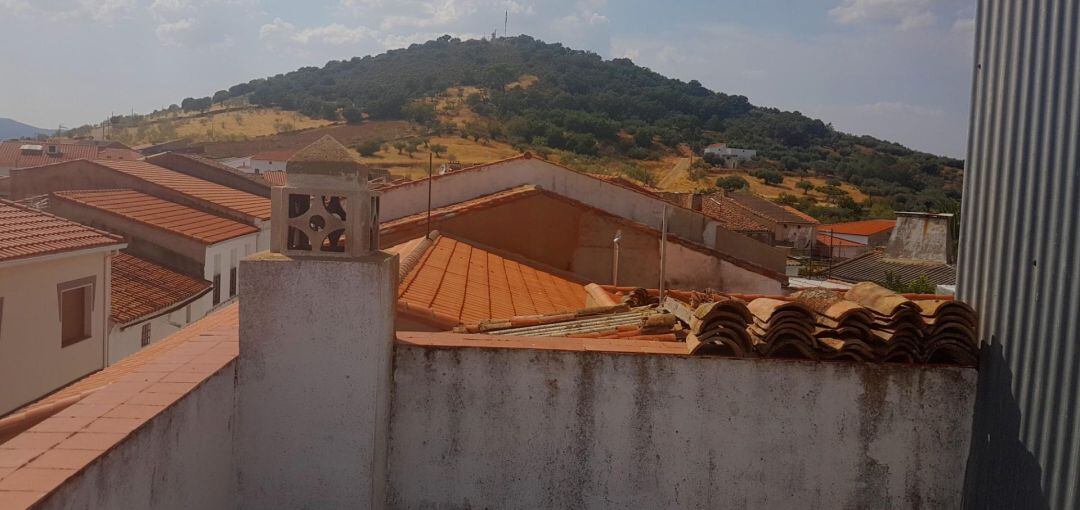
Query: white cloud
{"points": [[903, 14], [173, 33], [431, 14], [61, 10], [281, 32], [964, 25]]}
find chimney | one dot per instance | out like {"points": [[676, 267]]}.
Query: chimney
{"points": [[922, 236], [316, 339]]}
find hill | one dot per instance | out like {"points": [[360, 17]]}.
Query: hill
{"points": [[604, 115], [10, 128]]}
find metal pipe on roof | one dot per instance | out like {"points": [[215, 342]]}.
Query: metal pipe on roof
{"points": [[663, 250], [615, 256]]}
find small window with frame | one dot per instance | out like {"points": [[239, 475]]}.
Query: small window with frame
{"points": [[76, 303], [145, 335]]}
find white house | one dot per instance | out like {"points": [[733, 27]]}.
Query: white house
{"points": [[185, 240], [723, 151], [54, 306], [268, 161], [148, 303]]}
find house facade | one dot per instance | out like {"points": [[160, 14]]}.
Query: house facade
{"points": [[54, 306]]}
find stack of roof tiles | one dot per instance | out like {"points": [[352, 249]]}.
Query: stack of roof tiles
{"points": [[867, 323]]}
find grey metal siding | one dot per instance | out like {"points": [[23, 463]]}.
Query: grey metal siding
{"points": [[1020, 254]]}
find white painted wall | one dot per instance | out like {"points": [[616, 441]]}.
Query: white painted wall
{"points": [[507, 428], [124, 342], [222, 256], [32, 362], [182, 459], [263, 165]]}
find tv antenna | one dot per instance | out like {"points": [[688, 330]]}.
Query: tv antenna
{"points": [[506, 19]]}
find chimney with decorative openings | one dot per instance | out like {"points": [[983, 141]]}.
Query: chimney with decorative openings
{"points": [[316, 340]]}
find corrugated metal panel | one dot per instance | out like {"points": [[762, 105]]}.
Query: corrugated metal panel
{"points": [[1020, 254]]}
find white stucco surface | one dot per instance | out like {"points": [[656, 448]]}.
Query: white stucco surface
{"points": [[313, 381], [489, 428], [32, 361]]}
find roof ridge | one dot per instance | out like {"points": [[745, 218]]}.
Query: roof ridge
{"points": [[411, 259], [51, 215]]}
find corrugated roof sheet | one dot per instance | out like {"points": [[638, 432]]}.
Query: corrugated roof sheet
{"points": [[149, 210], [454, 281], [861, 228], [240, 201], [873, 267], [141, 288], [25, 232]]}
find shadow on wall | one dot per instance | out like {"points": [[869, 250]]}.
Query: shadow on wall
{"points": [[1001, 472]]}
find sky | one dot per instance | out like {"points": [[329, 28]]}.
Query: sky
{"points": [[896, 69]]}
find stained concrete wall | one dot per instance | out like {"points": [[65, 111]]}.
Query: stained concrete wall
{"points": [[577, 239], [401, 201], [480, 428], [182, 459]]}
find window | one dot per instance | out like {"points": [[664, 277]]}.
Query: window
{"points": [[76, 303], [145, 340], [217, 278], [233, 262]]}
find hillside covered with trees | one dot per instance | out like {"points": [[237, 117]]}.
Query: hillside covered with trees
{"points": [[589, 107]]}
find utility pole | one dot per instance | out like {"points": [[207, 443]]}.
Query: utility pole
{"points": [[663, 250]]}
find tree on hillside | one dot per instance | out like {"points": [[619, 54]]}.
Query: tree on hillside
{"points": [[804, 185], [369, 147], [769, 176], [353, 115], [437, 148], [400, 146], [732, 183]]}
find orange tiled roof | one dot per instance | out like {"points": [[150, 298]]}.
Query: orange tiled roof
{"points": [[838, 242], [26, 232], [861, 228], [155, 212], [140, 288], [730, 215], [452, 281], [240, 201], [79, 423]]}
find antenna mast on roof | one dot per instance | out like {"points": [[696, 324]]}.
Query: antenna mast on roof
{"points": [[506, 18]]}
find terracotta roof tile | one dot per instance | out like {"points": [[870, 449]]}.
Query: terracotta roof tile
{"points": [[730, 215], [862, 228], [240, 201], [13, 155], [453, 281], [44, 443], [768, 209], [140, 288], [26, 232], [278, 155], [274, 177], [132, 205], [827, 240]]}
